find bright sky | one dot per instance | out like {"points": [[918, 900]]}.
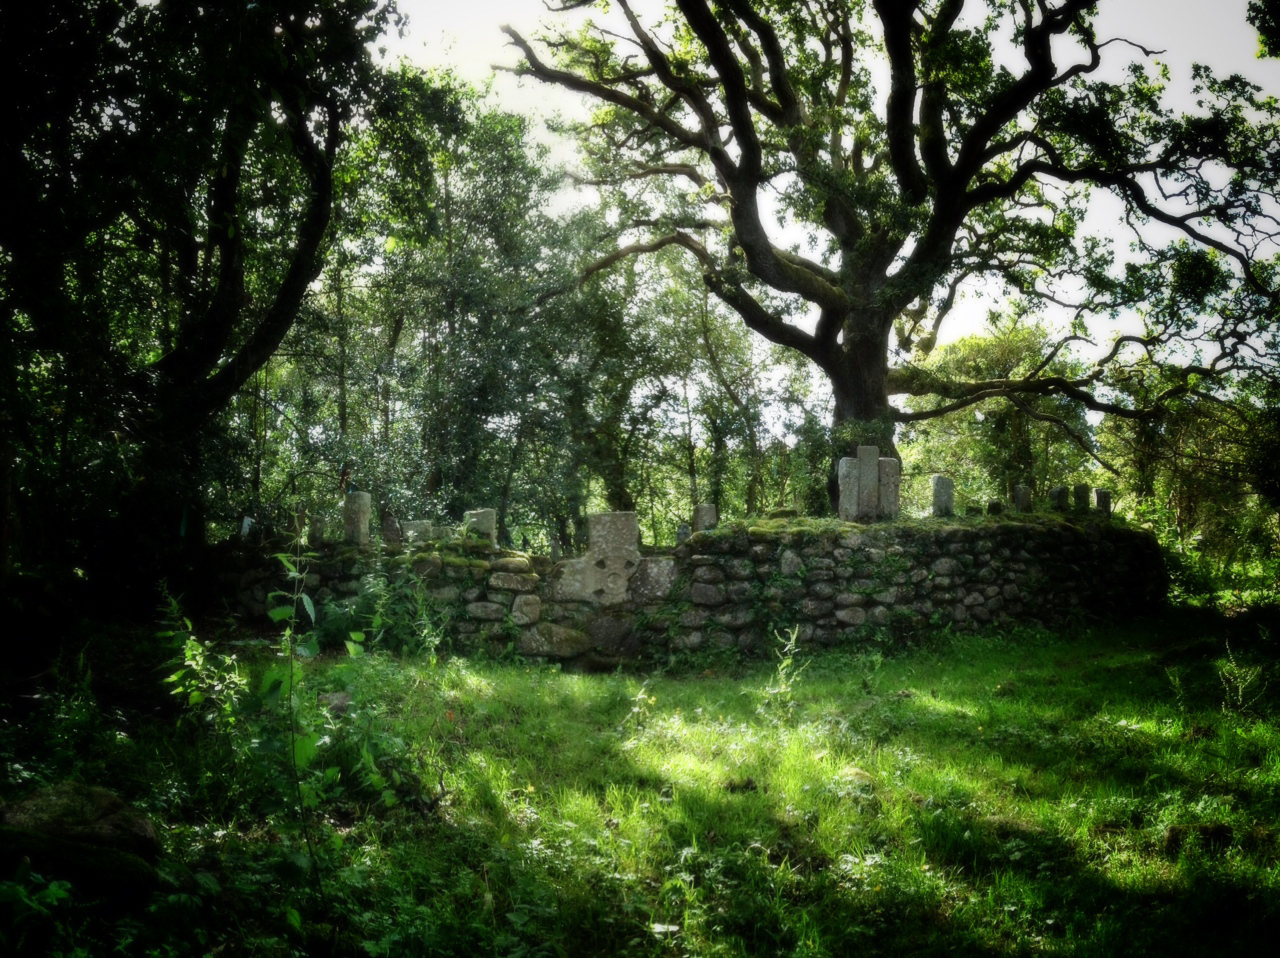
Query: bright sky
{"points": [[466, 36]]}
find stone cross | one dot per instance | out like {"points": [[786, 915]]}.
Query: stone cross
{"points": [[356, 511], [944, 496], [704, 517], [613, 554]]}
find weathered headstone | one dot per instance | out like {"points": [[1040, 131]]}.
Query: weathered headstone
{"points": [[1022, 498], [1081, 496], [484, 523], [391, 533], [417, 530], [944, 496], [890, 487], [995, 507], [682, 533], [613, 553], [868, 483], [315, 531], [555, 548], [1103, 498], [356, 511], [1058, 498], [704, 517], [246, 526], [847, 476]]}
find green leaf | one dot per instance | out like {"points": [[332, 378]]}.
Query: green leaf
{"points": [[295, 920], [357, 636], [354, 650], [308, 649], [309, 606], [280, 613], [304, 749]]}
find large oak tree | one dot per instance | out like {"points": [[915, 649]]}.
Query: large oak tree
{"points": [[998, 126]]}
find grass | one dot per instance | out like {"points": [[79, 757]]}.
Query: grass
{"points": [[1112, 792]]}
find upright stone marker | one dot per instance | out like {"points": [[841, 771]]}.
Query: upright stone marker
{"points": [[613, 554], [356, 511], [704, 517], [391, 533], [944, 496], [1081, 495], [417, 530], [995, 507], [1103, 498], [682, 533], [890, 486], [847, 476], [1022, 498], [1058, 498], [484, 523], [315, 532], [868, 483]]}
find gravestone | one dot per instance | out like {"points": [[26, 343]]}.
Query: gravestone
{"points": [[868, 483], [1081, 496], [484, 523], [890, 487], [682, 533], [1058, 498], [847, 476], [356, 511], [417, 530], [995, 507], [315, 531], [613, 554], [944, 496], [1022, 498], [704, 517], [1103, 498], [391, 533]]}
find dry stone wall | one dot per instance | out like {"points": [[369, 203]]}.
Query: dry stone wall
{"points": [[740, 584]]}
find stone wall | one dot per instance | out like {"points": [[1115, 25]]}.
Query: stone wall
{"points": [[738, 585]]}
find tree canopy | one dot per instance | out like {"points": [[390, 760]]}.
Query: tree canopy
{"points": [[908, 148], [170, 170]]}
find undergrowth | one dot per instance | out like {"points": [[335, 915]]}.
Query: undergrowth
{"points": [[1111, 792]]}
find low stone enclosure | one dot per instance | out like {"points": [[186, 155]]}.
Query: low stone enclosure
{"points": [[741, 584]]}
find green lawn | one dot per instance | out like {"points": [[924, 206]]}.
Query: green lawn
{"points": [[1113, 792]]}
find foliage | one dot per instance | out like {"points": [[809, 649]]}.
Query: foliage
{"points": [[982, 793], [173, 186], [982, 160]]}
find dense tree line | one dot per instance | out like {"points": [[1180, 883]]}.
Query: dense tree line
{"points": [[246, 268]]}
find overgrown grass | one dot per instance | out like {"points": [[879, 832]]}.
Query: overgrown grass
{"points": [[1113, 792]]}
